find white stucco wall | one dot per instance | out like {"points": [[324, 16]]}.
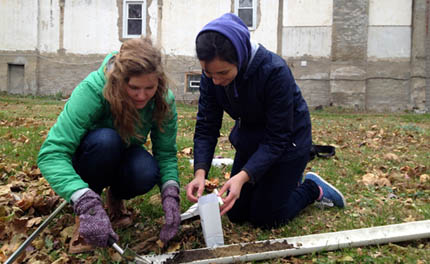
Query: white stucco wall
{"points": [[90, 27], [307, 28], [267, 24], [18, 25], [389, 34], [389, 43], [306, 41], [49, 25], [182, 20], [153, 19], [301, 13], [390, 12]]}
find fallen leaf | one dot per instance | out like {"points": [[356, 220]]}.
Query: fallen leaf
{"points": [[373, 179], [174, 247], [346, 259], [19, 225], [410, 218], [115, 256], [66, 233], [25, 202], [424, 178], [369, 179], [155, 199], [187, 151], [5, 189], [160, 243], [391, 156], [34, 221], [210, 185], [64, 260]]}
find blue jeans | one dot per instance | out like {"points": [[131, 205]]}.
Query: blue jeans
{"points": [[103, 159], [276, 198]]}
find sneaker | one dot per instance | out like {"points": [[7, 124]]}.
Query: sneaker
{"points": [[119, 215], [331, 195]]}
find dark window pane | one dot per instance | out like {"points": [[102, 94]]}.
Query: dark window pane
{"points": [[193, 82], [246, 16], [245, 3], [195, 77], [134, 27], [135, 11]]}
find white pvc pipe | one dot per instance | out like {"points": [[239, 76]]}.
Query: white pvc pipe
{"points": [[327, 242]]}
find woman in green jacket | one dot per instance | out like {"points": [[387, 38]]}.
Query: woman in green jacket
{"points": [[98, 142]]}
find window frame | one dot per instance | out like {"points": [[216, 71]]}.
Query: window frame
{"points": [[188, 81], [125, 18], [254, 12]]}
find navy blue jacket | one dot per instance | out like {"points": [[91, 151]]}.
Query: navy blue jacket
{"points": [[272, 118]]}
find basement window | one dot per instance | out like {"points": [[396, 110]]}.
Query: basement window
{"points": [[134, 18], [192, 82], [247, 11]]}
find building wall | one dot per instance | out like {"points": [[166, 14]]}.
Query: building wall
{"points": [[356, 53], [179, 32], [366, 54], [307, 44], [90, 27], [18, 23]]}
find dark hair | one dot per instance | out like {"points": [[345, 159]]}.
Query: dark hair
{"points": [[211, 44]]}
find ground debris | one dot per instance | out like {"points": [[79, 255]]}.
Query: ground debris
{"points": [[228, 251]]}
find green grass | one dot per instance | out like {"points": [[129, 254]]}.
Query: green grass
{"points": [[363, 141]]}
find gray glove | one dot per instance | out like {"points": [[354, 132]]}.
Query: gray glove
{"points": [[170, 198], [94, 223]]}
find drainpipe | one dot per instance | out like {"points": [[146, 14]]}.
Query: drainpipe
{"points": [[324, 242], [427, 45], [280, 27]]}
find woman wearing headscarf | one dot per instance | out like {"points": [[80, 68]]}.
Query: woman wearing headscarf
{"points": [[272, 131]]}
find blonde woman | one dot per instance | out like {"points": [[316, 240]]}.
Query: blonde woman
{"points": [[98, 142]]}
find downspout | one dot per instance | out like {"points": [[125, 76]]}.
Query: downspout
{"points": [[280, 26], [159, 21], [61, 28], [322, 242], [37, 74], [427, 45]]}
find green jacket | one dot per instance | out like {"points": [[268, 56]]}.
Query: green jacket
{"points": [[86, 110]]}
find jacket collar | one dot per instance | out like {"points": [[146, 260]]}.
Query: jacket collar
{"points": [[256, 61]]}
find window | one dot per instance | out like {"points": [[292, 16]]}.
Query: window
{"points": [[247, 11], [134, 18], [192, 82]]}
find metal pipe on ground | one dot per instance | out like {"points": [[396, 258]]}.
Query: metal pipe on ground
{"points": [[18, 252], [322, 242]]}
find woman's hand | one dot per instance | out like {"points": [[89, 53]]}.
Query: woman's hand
{"points": [[170, 200], [196, 187], [94, 223], [234, 185]]}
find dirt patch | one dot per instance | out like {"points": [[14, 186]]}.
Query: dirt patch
{"points": [[228, 251]]}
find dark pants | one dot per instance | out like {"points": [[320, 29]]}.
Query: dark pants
{"points": [[102, 159], [276, 198]]}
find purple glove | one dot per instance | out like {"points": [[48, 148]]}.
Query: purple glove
{"points": [[94, 224], [170, 198]]}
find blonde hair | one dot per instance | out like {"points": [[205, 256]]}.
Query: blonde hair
{"points": [[136, 56]]}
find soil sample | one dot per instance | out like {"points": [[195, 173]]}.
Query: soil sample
{"points": [[228, 251]]}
